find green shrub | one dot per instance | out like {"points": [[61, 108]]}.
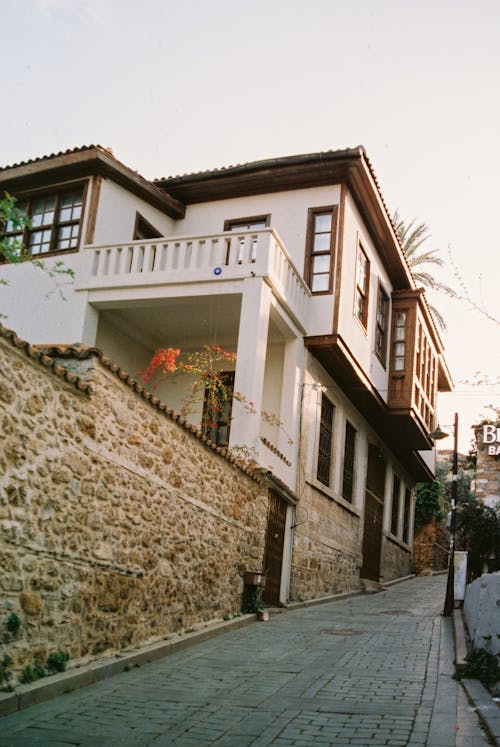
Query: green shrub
{"points": [[13, 623], [32, 673], [482, 665], [5, 675], [428, 502], [56, 662]]}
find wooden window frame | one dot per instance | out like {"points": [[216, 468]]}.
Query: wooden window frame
{"points": [[231, 224], [395, 505], [362, 294], [244, 224], [382, 324], [348, 477], [40, 194], [399, 341], [310, 254], [325, 441], [212, 424], [142, 223]]}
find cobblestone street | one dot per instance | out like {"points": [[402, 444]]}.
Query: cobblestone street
{"points": [[367, 670]]}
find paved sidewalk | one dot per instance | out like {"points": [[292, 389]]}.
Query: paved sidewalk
{"points": [[368, 670]]}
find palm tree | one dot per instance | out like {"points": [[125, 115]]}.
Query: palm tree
{"points": [[412, 238]]}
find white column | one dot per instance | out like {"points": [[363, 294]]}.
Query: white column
{"points": [[250, 362], [293, 372], [89, 323]]}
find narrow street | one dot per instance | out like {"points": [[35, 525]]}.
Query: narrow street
{"points": [[368, 670]]}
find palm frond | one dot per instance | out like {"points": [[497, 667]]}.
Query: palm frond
{"points": [[438, 318], [429, 257], [413, 237]]}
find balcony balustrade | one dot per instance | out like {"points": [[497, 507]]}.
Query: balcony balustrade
{"points": [[198, 259]]}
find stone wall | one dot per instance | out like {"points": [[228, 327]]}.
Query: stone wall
{"points": [[118, 525], [430, 548], [482, 612], [487, 471], [396, 561], [326, 553]]}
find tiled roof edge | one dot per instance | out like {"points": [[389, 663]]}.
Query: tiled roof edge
{"points": [[67, 152], [80, 351], [35, 354], [262, 164]]}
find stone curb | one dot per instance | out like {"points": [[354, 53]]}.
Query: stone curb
{"points": [[388, 584], [486, 708], [460, 639], [484, 705], [25, 696], [319, 600], [338, 597]]}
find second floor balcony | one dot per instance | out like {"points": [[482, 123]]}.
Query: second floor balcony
{"points": [[162, 265]]}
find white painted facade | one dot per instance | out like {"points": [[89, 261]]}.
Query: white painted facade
{"points": [[245, 291]]}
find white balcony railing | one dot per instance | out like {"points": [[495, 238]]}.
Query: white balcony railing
{"points": [[198, 259]]}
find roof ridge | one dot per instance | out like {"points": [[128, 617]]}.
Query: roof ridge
{"points": [[265, 163]]}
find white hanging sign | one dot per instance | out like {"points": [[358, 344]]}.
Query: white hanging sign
{"points": [[491, 439]]}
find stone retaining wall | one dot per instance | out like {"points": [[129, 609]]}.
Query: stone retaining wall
{"points": [[326, 553], [396, 560], [482, 612], [430, 548], [117, 524]]}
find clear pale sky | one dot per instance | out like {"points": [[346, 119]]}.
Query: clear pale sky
{"points": [[174, 87]]}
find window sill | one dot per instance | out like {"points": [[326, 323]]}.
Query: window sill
{"points": [[397, 541], [328, 493], [361, 325], [55, 253], [41, 256]]}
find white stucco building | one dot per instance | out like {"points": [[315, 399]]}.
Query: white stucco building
{"points": [[293, 263]]}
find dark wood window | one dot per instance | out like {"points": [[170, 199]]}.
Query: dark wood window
{"points": [[320, 248], [217, 407], [144, 230], [406, 516], [55, 221], [349, 462], [382, 325], [362, 287], [396, 488], [255, 223], [325, 441], [399, 342]]}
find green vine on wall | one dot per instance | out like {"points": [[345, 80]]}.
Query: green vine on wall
{"points": [[429, 501]]}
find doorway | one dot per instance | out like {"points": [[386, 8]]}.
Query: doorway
{"points": [[273, 553], [373, 514]]}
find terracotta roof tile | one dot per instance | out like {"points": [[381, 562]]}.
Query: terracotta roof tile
{"points": [[54, 155], [33, 352]]}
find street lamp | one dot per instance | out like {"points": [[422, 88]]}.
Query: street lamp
{"points": [[436, 435]]}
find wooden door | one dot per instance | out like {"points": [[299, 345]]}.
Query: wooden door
{"points": [[373, 514], [273, 553]]}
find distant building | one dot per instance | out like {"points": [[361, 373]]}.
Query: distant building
{"points": [[294, 264], [488, 463]]}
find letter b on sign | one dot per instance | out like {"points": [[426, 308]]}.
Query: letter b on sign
{"points": [[490, 434]]}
